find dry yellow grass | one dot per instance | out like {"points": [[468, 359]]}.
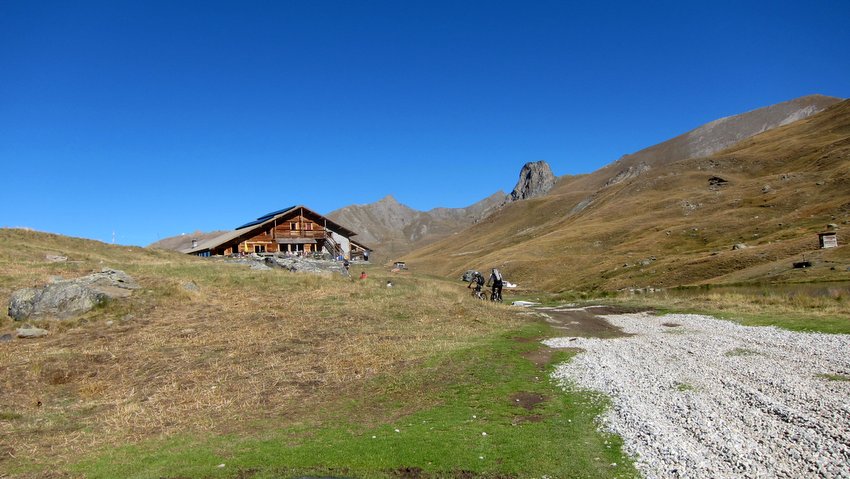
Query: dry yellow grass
{"points": [[249, 350]]}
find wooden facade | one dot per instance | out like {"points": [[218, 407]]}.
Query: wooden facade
{"points": [[295, 234]]}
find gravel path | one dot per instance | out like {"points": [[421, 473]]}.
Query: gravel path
{"points": [[696, 397]]}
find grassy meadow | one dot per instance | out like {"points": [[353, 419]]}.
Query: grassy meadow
{"points": [[277, 374], [214, 370]]}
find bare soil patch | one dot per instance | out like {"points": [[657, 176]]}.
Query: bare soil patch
{"points": [[527, 400], [541, 357]]}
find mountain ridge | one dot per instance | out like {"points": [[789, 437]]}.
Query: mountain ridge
{"points": [[676, 224], [392, 228]]}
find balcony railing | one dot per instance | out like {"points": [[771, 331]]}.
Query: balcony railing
{"points": [[313, 234]]}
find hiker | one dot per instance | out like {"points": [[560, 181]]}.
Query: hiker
{"points": [[476, 280], [389, 284], [362, 275], [496, 279]]}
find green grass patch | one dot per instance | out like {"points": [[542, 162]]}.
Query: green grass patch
{"points": [[741, 352], [684, 387], [834, 377], [9, 416], [792, 321], [749, 313], [452, 416]]}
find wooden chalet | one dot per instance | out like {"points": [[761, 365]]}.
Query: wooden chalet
{"points": [[296, 230]]}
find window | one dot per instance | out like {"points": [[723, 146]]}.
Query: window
{"points": [[308, 226], [293, 226], [259, 248]]}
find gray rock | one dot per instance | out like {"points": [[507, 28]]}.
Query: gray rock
{"points": [[60, 300], [5, 338], [66, 298], [55, 258], [739, 246], [191, 286], [535, 179], [31, 332], [112, 282]]}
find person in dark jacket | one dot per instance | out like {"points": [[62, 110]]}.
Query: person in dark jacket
{"points": [[477, 281], [496, 280]]}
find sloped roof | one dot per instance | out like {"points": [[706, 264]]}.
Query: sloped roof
{"points": [[248, 228], [265, 217]]}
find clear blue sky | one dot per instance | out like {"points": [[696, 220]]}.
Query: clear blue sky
{"points": [[154, 118]]}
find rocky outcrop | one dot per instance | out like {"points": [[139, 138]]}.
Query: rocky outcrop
{"points": [[63, 299], [627, 174], [293, 264], [535, 179]]}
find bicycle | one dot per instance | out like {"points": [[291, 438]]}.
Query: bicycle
{"points": [[479, 294], [496, 297]]}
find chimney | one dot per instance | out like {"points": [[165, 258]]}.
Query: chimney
{"points": [[194, 243]]}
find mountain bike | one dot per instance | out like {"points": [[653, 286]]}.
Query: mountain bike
{"points": [[497, 297], [479, 294]]}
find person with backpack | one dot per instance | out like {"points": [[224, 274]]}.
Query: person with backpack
{"points": [[478, 281], [496, 280]]}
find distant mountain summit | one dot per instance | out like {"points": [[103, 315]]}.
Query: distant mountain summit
{"points": [[391, 228]]}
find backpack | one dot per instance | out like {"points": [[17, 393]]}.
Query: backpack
{"points": [[497, 275], [479, 279]]}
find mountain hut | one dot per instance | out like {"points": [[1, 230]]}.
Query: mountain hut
{"points": [[297, 230]]}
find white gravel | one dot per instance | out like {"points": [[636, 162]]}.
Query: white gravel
{"points": [[713, 399]]}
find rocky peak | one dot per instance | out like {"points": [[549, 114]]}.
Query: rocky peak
{"points": [[388, 200], [535, 179]]}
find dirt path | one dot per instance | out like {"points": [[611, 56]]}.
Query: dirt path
{"points": [[586, 322]]}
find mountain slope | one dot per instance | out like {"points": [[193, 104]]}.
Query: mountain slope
{"points": [[715, 136], [392, 228], [676, 221]]}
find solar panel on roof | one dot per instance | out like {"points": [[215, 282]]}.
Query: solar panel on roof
{"points": [[252, 223], [264, 218], [275, 213]]}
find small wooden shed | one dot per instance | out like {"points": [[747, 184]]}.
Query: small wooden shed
{"points": [[828, 239]]}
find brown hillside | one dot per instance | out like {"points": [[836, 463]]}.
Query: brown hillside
{"points": [[675, 224]]}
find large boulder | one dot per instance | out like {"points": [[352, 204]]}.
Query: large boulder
{"points": [[63, 299]]}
